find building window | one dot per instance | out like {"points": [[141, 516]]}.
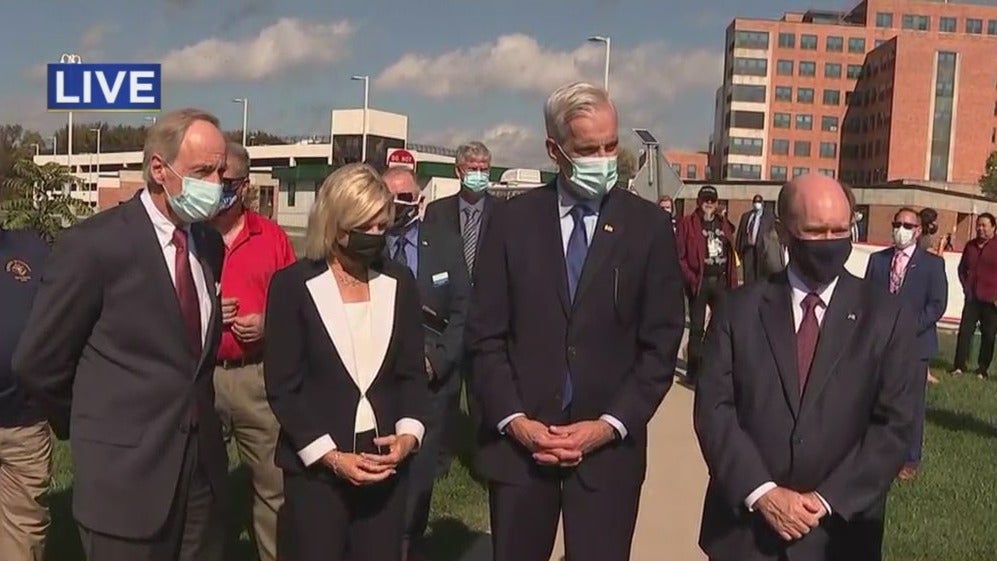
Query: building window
{"points": [[854, 71], [783, 93], [805, 95], [801, 148], [754, 120], [808, 42], [690, 171], [917, 23], [291, 190], [787, 40], [784, 68], [946, 24], [992, 27], [798, 171], [751, 39], [746, 146], [884, 20], [751, 66], [828, 150], [856, 45], [974, 26], [780, 147], [744, 92], [781, 120], [804, 122], [832, 97], [834, 44], [777, 173], [829, 123], [832, 70], [941, 134], [677, 168], [744, 171], [808, 68], [827, 172]]}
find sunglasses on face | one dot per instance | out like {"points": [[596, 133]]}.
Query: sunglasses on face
{"points": [[904, 225], [709, 200], [232, 183]]}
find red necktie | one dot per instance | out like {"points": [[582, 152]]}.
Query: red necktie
{"points": [[806, 338], [186, 293]]}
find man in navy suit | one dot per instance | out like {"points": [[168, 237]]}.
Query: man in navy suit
{"points": [[919, 278]]}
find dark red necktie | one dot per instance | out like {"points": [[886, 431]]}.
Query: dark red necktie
{"points": [[806, 338], [187, 293]]}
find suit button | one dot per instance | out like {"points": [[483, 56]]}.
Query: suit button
{"points": [[571, 352], [797, 441]]}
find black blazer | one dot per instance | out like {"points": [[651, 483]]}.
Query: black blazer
{"points": [[443, 216], [846, 438], [620, 337], [741, 237], [105, 353], [307, 370]]}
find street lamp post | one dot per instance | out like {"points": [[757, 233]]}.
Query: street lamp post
{"points": [[72, 58], [608, 42], [55, 144], [245, 116], [38, 149], [366, 105]]}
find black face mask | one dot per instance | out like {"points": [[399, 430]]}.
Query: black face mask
{"points": [[365, 248], [819, 261]]}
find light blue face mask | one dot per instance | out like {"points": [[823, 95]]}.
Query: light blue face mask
{"points": [[198, 201], [476, 180], [593, 175]]}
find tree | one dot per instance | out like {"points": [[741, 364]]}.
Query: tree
{"points": [[988, 181], [15, 143], [35, 198], [626, 165]]}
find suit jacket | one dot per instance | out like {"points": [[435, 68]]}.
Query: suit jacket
{"points": [[742, 238], [925, 289], [846, 438], [444, 290], [105, 353], [443, 217], [619, 337], [309, 369]]}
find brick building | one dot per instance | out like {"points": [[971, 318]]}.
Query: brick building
{"points": [[793, 85], [689, 165]]}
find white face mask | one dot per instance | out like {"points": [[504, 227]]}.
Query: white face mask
{"points": [[903, 238], [758, 206]]}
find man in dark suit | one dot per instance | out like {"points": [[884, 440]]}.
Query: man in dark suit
{"points": [[919, 278], [752, 232], [573, 345], [805, 403], [119, 349], [436, 260]]}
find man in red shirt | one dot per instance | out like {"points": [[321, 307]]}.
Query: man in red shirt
{"points": [[255, 248], [978, 275]]}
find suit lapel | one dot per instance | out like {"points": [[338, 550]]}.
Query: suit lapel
{"points": [[553, 245], [778, 324], [608, 231], [382, 297], [486, 214], [207, 270], [836, 331]]}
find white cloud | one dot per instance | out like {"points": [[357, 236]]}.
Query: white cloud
{"points": [[511, 145], [288, 43], [93, 37], [645, 75]]}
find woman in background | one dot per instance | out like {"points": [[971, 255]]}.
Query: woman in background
{"points": [[344, 372], [931, 242]]}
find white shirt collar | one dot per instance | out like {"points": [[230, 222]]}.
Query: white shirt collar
{"points": [[908, 251], [800, 289], [164, 228], [566, 200]]}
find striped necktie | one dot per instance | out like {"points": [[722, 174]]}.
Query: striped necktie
{"points": [[470, 235]]}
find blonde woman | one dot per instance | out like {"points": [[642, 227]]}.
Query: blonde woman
{"points": [[345, 377]]}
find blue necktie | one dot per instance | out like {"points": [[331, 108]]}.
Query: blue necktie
{"points": [[578, 247]]}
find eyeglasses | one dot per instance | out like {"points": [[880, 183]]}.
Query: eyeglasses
{"points": [[710, 200], [904, 225], [232, 183]]}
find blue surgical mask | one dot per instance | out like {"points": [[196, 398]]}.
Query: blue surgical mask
{"points": [[198, 201], [475, 180], [228, 200], [593, 175]]}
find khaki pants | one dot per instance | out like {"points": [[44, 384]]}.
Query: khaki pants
{"points": [[241, 402], [25, 476]]}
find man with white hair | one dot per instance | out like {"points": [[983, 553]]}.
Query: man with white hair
{"points": [[573, 344]]}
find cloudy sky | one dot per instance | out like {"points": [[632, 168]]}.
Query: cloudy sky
{"points": [[459, 69]]}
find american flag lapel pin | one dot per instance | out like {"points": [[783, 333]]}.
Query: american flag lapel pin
{"points": [[851, 317], [608, 227]]}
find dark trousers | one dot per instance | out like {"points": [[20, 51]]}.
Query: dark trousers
{"points": [[325, 518], [917, 437], [598, 523], [711, 292], [194, 529], [451, 423], [750, 263], [976, 312]]}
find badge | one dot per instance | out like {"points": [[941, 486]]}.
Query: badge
{"points": [[19, 270], [440, 279]]}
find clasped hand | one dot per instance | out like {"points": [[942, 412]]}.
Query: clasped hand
{"points": [[366, 469], [792, 515], [562, 446]]}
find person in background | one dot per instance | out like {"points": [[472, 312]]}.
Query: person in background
{"points": [[255, 249], [935, 244], [706, 258], [666, 204], [120, 351], [436, 260], [752, 231], [919, 278], [978, 275], [345, 372], [25, 437]]}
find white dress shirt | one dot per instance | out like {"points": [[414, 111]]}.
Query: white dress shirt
{"points": [[565, 202], [800, 291], [164, 233]]}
